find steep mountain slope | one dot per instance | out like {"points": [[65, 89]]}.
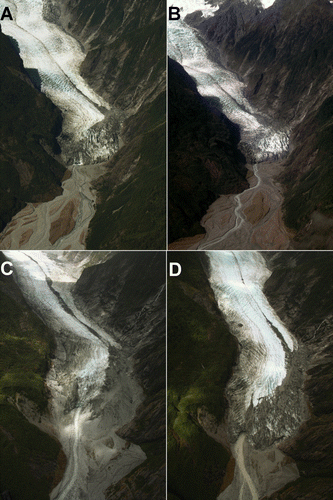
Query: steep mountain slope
{"points": [[125, 63], [29, 125], [204, 159], [272, 48], [308, 178], [285, 56], [131, 195], [307, 311], [133, 307]]}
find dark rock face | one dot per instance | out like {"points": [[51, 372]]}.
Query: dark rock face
{"points": [[125, 63], [308, 178], [29, 125], [124, 59], [285, 56], [131, 195], [126, 295], [273, 50], [300, 289], [147, 430], [203, 157]]}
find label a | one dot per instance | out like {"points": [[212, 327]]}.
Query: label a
{"points": [[6, 14]]}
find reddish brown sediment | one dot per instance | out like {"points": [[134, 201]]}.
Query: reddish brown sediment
{"points": [[66, 221], [260, 207]]}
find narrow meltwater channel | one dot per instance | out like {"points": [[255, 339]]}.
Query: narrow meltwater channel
{"points": [[239, 217], [266, 402], [251, 219], [90, 381]]}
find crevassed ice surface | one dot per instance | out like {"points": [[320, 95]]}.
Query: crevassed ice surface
{"points": [[32, 270], [185, 47], [57, 56], [85, 414], [237, 279]]}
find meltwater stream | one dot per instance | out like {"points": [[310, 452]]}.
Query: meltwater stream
{"points": [[86, 139], [91, 383], [266, 402]]}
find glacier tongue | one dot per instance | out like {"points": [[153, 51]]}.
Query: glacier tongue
{"points": [[186, 47], [237, 279], [57, 57]]}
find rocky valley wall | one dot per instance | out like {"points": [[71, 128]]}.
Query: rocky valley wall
{"points": [[284, 55], [300, 291], [125, 63], [133, 306]]}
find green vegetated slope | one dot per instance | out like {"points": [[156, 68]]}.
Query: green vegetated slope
{"points": [[125, 63], [307, 310], [29, 125], [308, 177], [203, 157], [201, 353], [31, 462]]}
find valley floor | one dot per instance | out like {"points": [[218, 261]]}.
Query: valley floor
{"points": [[61, 223], [246, 221]]}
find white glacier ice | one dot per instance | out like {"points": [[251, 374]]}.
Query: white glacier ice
{"points": [[237, 279]]}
